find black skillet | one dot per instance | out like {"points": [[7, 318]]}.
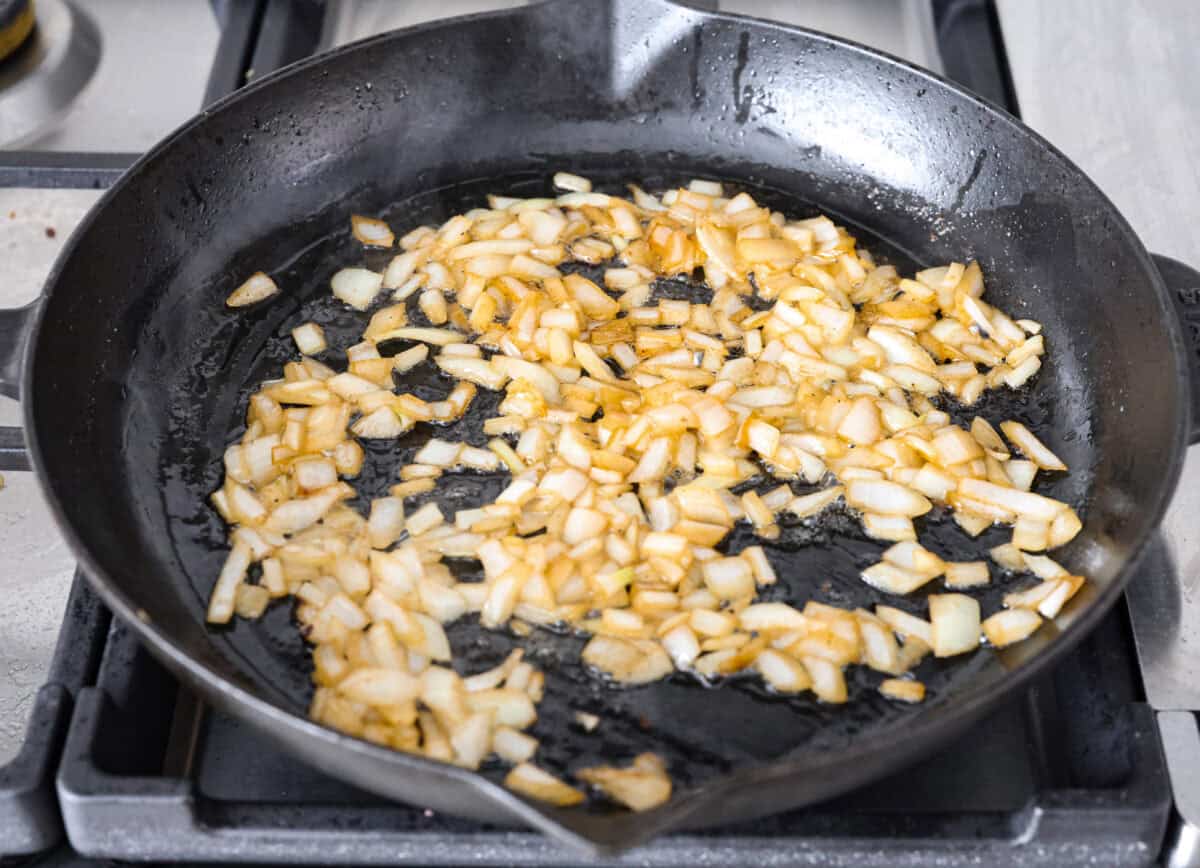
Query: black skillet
{"points": [[133, 374]]}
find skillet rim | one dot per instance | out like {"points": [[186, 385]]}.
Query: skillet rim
{"points": [[912, 740]]}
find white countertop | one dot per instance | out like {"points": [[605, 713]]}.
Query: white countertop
{"points": [[1113, 84], [1134, 126], [35, 565]]}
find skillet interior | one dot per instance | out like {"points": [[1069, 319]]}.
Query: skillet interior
{"points": [[139, 371]]}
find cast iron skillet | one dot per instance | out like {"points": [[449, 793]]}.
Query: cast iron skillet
{"points": [[134, 374]]}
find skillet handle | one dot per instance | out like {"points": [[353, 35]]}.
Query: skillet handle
{"points": [[1184, 285], [14, 330]]}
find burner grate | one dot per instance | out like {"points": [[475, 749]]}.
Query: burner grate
{"points": [[1071, 774], [28, 816]]}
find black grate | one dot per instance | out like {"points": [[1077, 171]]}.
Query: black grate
{"points": [[1070, 774], [29, 820]]}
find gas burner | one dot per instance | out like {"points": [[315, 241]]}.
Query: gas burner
{"points": [[16, 23], [42, 77]]}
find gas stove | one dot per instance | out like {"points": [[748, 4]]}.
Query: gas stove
{"points": [[103, 756]]}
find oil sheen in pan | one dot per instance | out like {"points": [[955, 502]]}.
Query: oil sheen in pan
{"points": [[701, 730]]}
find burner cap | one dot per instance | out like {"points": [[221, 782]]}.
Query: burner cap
{"points": [[16, 23]]}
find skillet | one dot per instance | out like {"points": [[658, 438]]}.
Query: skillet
{"points": [[133, 374]]}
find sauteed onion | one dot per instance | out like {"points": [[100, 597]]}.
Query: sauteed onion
{"points": [[625, 425]]}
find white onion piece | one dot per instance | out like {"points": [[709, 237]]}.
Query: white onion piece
{"points": [[574, 183], [886, 498], [1018, 502], [224, 593], [442, 603], [914, 557], [902, 689], [1064, 589], [955, 624], [536, 375], [1031, 447], [642, 786], [531, 781], [357, 287], [970, 574], [782, 672], [401, 269], [729, 578], [1043, 567], [811, 504], [893, 528], [1010, 625], [828, 683], [513, 746], [631, 662], [472, 740], [309, 338], [381, 424], [439, 453], [379, 686], [296, 515], [682, 646], [1021, 473], [763, 617], [372, 232], [880, 650], [256, 288], [893, 579], [587, 720], [905, 624], [505, 705], [424, 519], [1064, 528], [437, 337]]}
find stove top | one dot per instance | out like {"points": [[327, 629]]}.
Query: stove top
{"points": [[1070, 774], [89, 79], [97, 738]]}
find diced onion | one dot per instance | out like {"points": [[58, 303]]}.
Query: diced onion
{"points": [[587, 720], [624, 424], [955, 620], [828, 683], [916, 558], [531, 781], [729, 578], [512, 745], [224, 594], [372, 232], [902, 689], [1031, 447], [782, 672], [642, 786], [357, 286], [968, 574], [631, 662], [256, 288], [905, 624], [886, 498], [893, 579], [309, 338], [1010, 625], [567, 181], [379, 686]]}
